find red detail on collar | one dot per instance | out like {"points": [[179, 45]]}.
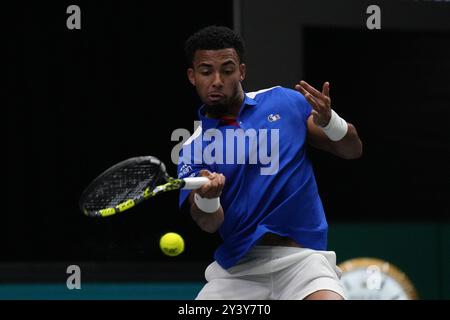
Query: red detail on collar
{"points": [[229, 121]]}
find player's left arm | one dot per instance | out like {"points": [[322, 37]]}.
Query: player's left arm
{"points": [[349, 146]]}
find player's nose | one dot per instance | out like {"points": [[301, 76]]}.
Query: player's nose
{"points": [[217, 80]]}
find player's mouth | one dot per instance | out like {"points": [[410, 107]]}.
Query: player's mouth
{"points": [[215, 96]]}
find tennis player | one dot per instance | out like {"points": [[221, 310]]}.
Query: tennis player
{"points": [[273, 225]]}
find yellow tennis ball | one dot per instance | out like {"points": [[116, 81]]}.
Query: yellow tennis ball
{"points": [[172, 244]]}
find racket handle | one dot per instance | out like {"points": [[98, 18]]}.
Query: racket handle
{"points": [[194, 183]]}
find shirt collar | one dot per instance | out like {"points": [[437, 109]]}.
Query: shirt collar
{"points": [[208, 123]]}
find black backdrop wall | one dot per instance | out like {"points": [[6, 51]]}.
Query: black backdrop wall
{"points": [[79, 101], [393, 85]]}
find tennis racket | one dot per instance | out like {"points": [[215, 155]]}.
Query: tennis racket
{"points": [[128, 183]]}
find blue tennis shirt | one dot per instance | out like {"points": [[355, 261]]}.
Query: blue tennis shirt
{"points": [[259, 196]]}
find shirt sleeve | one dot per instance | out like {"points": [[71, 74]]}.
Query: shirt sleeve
{"points": [[300, 102]]}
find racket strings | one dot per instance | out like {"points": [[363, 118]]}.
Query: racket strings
{"points": [[125, 183]]}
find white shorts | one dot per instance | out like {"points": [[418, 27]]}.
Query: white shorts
{"points": [[274, 273]]}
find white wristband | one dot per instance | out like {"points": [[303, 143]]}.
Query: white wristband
{"points": [[337, 128], [206, 204]]}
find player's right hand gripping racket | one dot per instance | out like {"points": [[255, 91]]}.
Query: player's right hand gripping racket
{"points": [[130, 182]]}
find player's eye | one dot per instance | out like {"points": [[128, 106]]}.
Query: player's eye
{"points": [[205, 72]]}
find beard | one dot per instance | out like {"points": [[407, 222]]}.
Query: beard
{"points": [[221, 108], [217, 110]]}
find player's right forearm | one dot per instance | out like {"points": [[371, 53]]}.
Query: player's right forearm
{"points": [[208, 222]]}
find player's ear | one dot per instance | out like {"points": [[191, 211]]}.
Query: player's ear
{"points": [[190, 74], [242, 70]]}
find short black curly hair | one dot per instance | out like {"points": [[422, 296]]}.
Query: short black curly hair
{"points": [[213, 38]]}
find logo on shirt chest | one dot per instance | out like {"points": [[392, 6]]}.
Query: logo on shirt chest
{"points": [[273, 117]]}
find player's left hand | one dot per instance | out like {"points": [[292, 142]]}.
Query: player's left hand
{"points": [[319, 101]]}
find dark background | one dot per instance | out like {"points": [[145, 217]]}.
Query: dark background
{"points": [[394, 85], [82, 100], [79, 101]]}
